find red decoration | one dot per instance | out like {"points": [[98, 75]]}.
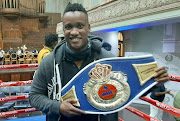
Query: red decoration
{"points": [[174, 78], [107, 91]]}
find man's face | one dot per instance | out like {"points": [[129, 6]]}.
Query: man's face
{"points": [[76, 29]]}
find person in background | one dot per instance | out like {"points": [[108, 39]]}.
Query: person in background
{"points": [[24, 48], [158, 93], [18, 52], [1, 56], [33, 50], [1, 52], [11, 50], [50, 42], [68, 58], [177, 104]]}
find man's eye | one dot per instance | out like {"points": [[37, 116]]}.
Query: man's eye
{"points": [[80, 26], [68, 27]]}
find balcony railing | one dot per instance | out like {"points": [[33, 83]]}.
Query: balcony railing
{"points": [[23, 7], [10, 4]]}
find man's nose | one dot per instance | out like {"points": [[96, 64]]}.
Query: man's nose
{"points": [[74, 31]]}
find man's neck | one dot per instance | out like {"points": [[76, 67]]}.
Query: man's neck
{"points": [[45, 47], [78, 63]]}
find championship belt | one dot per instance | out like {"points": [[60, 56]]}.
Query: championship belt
{"points": [[109, 85]]}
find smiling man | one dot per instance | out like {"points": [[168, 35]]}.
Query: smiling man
{"points": [[76, 29], [67, 59]]}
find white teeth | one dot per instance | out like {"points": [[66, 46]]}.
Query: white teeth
{"points": [[74, 38]]}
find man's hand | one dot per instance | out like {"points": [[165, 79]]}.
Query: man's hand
{"points": [[68, 110], [161, 76], [169, 92]]}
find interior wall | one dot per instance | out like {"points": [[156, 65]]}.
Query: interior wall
{"points": [[147, 39]]}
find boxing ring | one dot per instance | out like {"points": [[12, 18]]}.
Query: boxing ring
{"points": [[165, 107], [34, 118]]}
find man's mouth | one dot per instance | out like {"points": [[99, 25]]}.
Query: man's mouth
{"points": [[75, 39]]}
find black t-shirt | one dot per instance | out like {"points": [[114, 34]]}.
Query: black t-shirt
{"points": [[158, 89], [70, 70]]}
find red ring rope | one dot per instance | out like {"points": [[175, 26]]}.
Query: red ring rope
{"points": [[18, 83], [120, 119], [18, 66], [16, 112], [13, 98], [174, 78], [167, 108], [140, 114]]}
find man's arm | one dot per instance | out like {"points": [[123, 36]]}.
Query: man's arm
{"points": [[163, 93], [38, 97]]}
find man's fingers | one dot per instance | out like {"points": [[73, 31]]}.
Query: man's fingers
{"points": [[163, 79], [160, 68], [164, 75], [71, 101], [78, 111], [67, 108], [74, 111], [160, 72]]}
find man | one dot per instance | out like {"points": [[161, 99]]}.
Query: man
{"points": [[158, 93], [33, 50], [68, 58], [50, 42], [24, 48], [11, 50], [1, 53], [1, 56], [18, 52]]}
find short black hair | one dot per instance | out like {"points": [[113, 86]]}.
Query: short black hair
{"points": [[50, 39], [75, 7]]}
